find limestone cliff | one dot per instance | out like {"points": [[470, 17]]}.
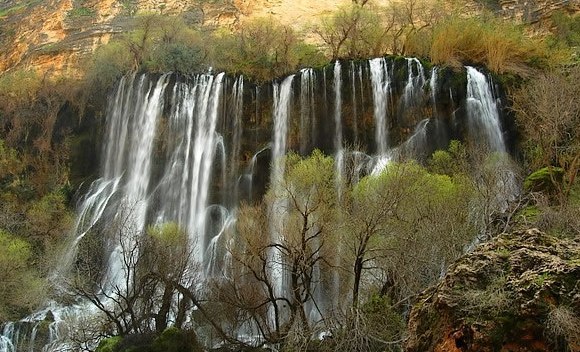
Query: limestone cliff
{"points": [[52, 35], [520, 292]]}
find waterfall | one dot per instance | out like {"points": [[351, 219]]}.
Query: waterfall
{"points": [[485, 129], [381, 82], [236, 115], [338, 147], [483, 114], [185, 185], [282, 100], [433, 89], [307, 109], [415, 81], [355, 117], [189, 150], [135, 166]]}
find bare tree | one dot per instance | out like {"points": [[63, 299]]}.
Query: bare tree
{"points": [[281, 248], [548, 113], [151, 269]]}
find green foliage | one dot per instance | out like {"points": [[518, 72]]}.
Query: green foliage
{"points": [[167, 251], [108, 64], [176, 57], [176, 340], [129, 7], [18, 86], [353, 31], [385, 321], [262, 50], [80, 12], [17, 7], [544, 179], [453, 161], [48, 218], [22, 289], [419, 222], [316, 171], [566, 30], [11, 167], [109, 344], [171, 339]]}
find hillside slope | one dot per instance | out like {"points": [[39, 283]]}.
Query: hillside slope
{"points": [[52, 35]]}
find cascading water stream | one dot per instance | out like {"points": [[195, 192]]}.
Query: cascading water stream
{"points": [[381, 82], [236, 113], [433, 89], [355, 117], [338, 143], [136, 166], [307, 109], [483, 115], [180, 150], [485, 128], [415, 82], [282, 101]]}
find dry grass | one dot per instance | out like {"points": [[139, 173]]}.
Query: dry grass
{"points": [[501, 46], [563, 324]]}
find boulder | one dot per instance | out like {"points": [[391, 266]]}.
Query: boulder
{"points": [[518, 292]]}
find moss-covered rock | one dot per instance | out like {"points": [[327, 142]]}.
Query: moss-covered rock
{"points": [[170, 340], [507, 295], [544, 179], [109, 344]]}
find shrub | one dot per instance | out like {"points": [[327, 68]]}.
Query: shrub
{"points": [[563, 327], [544, 179], [353, 31], [547, 111], [499, 45], [175, 340], [108, 64], [566, 28], [176, 57], [109, 344], [21, 289], [262, 50]]}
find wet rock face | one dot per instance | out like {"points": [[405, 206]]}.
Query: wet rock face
{"points": [[520, 292]]}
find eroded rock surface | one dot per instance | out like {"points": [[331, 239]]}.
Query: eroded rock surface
{"points": [[519, 292]]}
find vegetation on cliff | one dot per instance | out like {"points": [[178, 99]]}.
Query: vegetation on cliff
{"points": [[400, 227], [518, 292]]}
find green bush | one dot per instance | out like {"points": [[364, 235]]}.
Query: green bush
{"points": [[170, 340], [175, 340], [262, 50], [566, 28], [544, 180], [79, 12], [21, 289], [108, 64], [176, 57], [109, 344]]}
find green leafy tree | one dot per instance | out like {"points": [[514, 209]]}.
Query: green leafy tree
{"points": [[292, 230], [407, 225], [22, 289], [262, 50]]}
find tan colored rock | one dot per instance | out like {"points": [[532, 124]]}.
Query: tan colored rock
{"points": [[46, 29]]}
